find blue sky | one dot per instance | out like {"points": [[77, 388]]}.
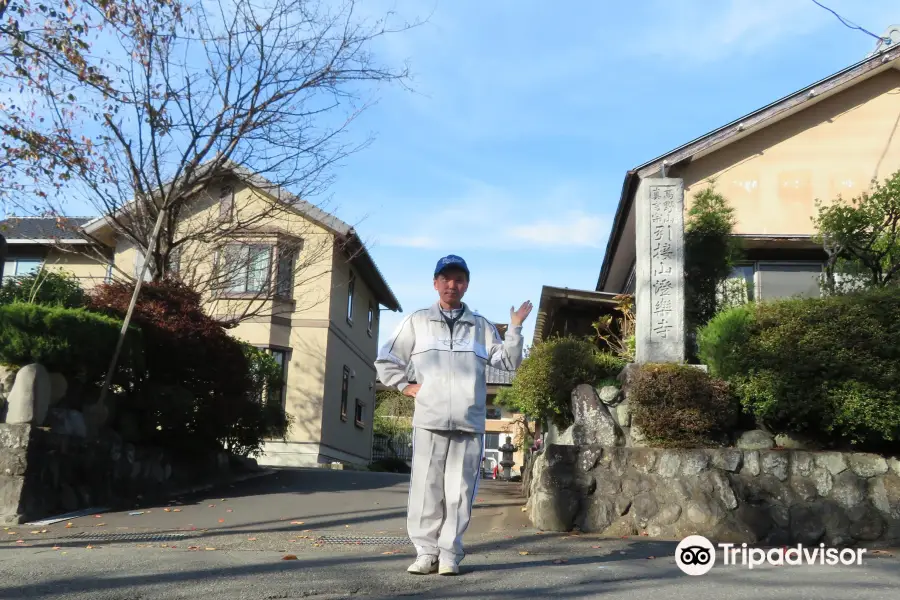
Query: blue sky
{"points": [[526, 116]]}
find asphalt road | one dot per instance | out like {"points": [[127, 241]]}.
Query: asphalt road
{"points": [[242, 556]]}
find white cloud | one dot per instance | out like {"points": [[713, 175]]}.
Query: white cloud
{"points": [[708, 31], [570, 229], [489, 216]]}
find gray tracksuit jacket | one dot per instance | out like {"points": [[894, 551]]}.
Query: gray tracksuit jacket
{"points": [[449, 367]]}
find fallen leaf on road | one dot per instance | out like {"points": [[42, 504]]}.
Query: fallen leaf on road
{"points": [[523, 553], [167, 509], [100, 524], [251, 539], [176, 510], [289, 557], [136, 513], [229, 510], [595, 547], [292, 540], [20, 541], [89, 547], [35, 531], [10, 533], [55, 548], [347, 526], [296, 522], [212, 505], [650, 557], [538, 533], [210, 548], [221, 520], [524, 509], [560, 561], [98, 516]]}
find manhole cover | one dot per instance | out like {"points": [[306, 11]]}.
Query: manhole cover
{"points": [[127, 537], [363, 540]]}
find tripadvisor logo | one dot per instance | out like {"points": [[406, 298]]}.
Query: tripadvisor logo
{"points": [[696, 555]]}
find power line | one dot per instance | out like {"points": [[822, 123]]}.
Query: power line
{"points": [[852, 25]]}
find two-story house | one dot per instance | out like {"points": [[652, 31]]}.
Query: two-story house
{"points": [[320, 321]]}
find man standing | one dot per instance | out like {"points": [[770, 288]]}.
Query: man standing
{"points": [[450, 346]]}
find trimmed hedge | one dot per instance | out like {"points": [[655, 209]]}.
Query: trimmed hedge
{"points": [[71, 341], [827, 367], [51, 288], [542, 387], [679, 406]]}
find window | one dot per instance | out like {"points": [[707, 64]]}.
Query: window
{"points": [[345, 389], [360, 406], [371, 323], [276, 394], [249, 267], [226, 203], [491, 441], [17, 267], [787, 280], [494, 412], [351, 287], [770, 280], [284, 278]]}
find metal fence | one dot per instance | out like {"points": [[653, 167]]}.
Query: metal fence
{"points": [[399, 446]]}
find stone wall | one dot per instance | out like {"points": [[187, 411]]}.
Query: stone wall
{"points": [[728, 495], [45, 473]]}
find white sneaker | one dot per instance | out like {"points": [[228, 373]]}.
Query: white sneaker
{"points": [[424, 565], [449, 568]]}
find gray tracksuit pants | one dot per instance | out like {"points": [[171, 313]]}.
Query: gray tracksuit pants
{"points": [[446, 467]]}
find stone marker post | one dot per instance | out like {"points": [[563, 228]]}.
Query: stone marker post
{"points": [[659, 291]]}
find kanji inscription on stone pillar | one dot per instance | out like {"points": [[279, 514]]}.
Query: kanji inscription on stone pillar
{"points": [[659, 235]]}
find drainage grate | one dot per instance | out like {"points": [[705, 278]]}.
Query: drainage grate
{"points": [[127, 537], [362, 540]]}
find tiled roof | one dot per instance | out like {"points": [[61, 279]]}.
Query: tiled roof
{"points": [[42, 228]]}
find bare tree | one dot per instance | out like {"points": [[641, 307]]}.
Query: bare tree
{"points": [[255, 95]]}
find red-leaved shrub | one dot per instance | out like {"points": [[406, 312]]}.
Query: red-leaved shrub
{"points": [[197, 386]]}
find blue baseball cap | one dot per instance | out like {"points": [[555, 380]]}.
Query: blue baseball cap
{"points": [[451, 261]]}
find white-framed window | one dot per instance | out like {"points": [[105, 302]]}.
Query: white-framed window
{"points": [[771, 280], [248, 266], [351, 292], [284, 277], [18, 267]]}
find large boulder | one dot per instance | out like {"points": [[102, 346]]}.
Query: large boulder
{"points": [[29, 399], [594, 425]]}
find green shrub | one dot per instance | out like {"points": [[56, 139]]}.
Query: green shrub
{"points": [[681, 406], [543, 384], [825, 367], [72, 341], [51, 288]]}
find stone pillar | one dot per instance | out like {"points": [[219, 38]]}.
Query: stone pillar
{"points": [[659, 291]]}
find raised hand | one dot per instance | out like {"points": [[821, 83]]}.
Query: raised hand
{"points": [[517, 317]]}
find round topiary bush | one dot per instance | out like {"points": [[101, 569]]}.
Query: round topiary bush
{"points": [[681, 406]]}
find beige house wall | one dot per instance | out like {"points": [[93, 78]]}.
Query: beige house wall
{"points": [[834, 148], [312, 326]]}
